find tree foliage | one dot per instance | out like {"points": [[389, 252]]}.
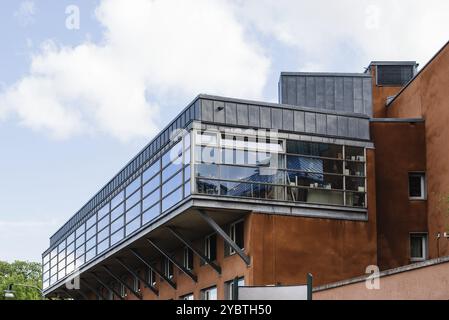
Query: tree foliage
{"points": [[21, 272]]}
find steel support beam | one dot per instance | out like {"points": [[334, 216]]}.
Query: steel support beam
{"points": [[136, 275], [149, 265], [67, 294], [225, 236], [189, 245], [106, 286], [123, 283], [174, 261], [88, 286]]}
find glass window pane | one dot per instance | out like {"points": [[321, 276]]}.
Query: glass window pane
{"points": [[117, 224], [172, 184], [103, 222], [172, 155], [151, 185], [207, 171], [132, 226], [265, 175], [207, 186], [103, 234], [354, 153], [71, 237], [151, 171], [132, 200], [187, 190], [172, 199], [117, 212], [314, 165], [207, 138], [354, 168], [91, 232], [187, 139], [102, 246], [116, 237], [80, 240], [354, 199], [207, 155], [315, 149], [80, 230], [91, 243], [318, 196], [117, 199], [134, 212], [415, 182], [70, 247], [103, 211], [151, 199], [355, 184], [90, 254], [187, 156], [314, 180], [170, 170], [133, 186], [187, 173], [151, 213]]}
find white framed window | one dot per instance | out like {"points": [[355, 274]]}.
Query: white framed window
{"points": [[209, 293], [188, 258], [236, 233], [417, 185], [418, 246]]}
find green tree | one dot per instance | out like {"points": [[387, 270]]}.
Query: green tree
{"points": [[21, 272]]}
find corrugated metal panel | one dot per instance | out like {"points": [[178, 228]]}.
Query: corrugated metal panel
{"points": [[242, 114], [351, 93]]}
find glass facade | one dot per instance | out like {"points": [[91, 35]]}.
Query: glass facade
{"points": [[239, 166], [161, 186], [279, 169]]}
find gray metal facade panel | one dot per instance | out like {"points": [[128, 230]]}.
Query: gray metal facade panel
{"points": [[330, 93], [353, 127], [367, 97], [254, 116], [219, 111], [342, 126], [265, 117], [310, 92], [310, 121], [332, 128], [291, 90], [299, 121], [350, 93], [231, 113], [207, 110], [242, 114], [276, 118], [287, 119], [321, 125], [301, 92]]}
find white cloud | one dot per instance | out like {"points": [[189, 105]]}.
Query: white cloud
{"points": [[25, 13], [350, 33], [152, 51]]}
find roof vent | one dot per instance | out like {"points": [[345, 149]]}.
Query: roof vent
{"points": [[395, 74]]}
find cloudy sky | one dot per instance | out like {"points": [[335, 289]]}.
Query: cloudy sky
{"points": [[80, 97]]}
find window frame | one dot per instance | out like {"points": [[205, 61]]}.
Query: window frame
{"points": [[188, 258], [207, 290], [424, 242], [423, 180], [232, 235], [207, 246]]}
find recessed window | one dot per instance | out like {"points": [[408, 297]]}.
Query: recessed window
{"points": [[394, 75], [188, 258], [152, 277], [123, 289], [136, 283], [188, 297], [229, 287], [418, 246], [209, 293], [417, 186], [210, 247], [236, 234], [168, 268]]}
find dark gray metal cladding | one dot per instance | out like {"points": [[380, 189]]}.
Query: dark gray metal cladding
{"points": [[345, 124], [346, 92]]}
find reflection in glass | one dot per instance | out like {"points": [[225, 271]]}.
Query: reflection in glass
{"points": [[151, 199], [117, 199], [132, 226], [134, 212], [151, 213], [318, 196], [207, 186], [172, 184], [151, 171], [116, 237], [172, 199], [151, 185]]}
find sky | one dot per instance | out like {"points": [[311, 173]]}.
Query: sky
{"points": [[85, 85]]}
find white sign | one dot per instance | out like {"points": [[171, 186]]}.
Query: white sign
{"points": [[273, 293]]}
